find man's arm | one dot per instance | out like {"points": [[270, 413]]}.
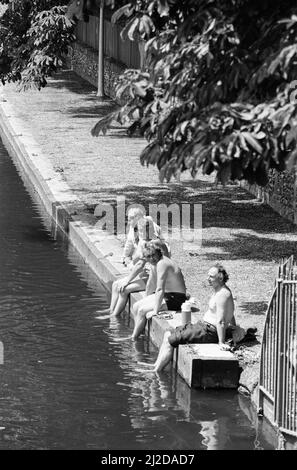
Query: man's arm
{"points": [[151, 282], [162, 273], [129, 245], [222, 301], [135, 271]]}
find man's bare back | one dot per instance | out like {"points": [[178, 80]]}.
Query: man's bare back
{"points": [[172, 275]]}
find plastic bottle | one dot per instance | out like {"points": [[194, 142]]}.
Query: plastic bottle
{"points": [[186, 312]]}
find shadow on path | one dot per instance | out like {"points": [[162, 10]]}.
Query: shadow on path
{"points": [[254, 308], [230, 207], [249, 247]]}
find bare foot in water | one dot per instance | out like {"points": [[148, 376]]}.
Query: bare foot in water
{"points": [[104, 310], [103, 317], [148, 364], [120, 340], [145, 371]]}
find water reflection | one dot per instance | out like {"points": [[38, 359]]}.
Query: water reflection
{"points": [[163, 408]]}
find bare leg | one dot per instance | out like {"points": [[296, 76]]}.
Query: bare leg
{"points": [[141, 308], [164, 357], [135, 314], [113, 300], [114, 295], [119, 299], [134, 286], [121, 303], [165, 354]]}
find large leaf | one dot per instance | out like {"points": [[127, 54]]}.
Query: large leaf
{"points": [[126, 10], [252, 141], [163, 8], [219, 92]]}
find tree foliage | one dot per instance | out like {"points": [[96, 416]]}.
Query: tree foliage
{"points": [[219, 89], [34, 40], [81, 10]]}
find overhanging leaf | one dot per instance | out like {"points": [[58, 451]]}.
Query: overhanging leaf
{"points": [[252, 141]]}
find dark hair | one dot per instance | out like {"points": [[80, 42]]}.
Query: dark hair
{"points": [[151, 250], [157, 243], [222, 270]]}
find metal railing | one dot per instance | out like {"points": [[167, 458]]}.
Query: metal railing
{"points": [[278, 366]]}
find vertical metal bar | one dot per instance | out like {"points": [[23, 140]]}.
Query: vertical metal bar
{"points": [[294, 360], [282, 356], [286, 353], [293, 363], [277, 302], [273, 319], [290, 359], [279, 372], [265, 362], [269, 352], [262, 366]]}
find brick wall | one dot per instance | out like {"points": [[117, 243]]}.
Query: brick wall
{"points": [[280, 193], [84, 61]]}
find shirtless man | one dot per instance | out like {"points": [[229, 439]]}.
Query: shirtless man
{"points": [[170, 291], [216, 325], [136, 280]]}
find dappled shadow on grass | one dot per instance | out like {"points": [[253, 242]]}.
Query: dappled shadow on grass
{"points": [[122, 134], [261, 238], [166, 193], [94, 110], [230, 207], [249, 247], [93, 105], [71, 81], [254, 308]]}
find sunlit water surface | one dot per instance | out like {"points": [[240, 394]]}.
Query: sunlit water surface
{"points": [[65, 383]]}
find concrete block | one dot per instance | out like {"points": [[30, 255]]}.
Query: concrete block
{"points": [[200, 365], [207, 366]]}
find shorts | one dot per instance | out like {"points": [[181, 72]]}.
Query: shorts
{"points": [[199, 332], [174, 300]]}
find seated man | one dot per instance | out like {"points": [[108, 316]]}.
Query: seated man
{"points": [[139, 278], [217, 322], [170, 289]]}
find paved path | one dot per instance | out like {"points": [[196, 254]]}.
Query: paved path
{"points": [[246, 236]]}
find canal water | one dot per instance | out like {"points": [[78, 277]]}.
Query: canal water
{"points": [[65, 383]]}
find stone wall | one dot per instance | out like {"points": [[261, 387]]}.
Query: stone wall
{"points": [[84, 61], [280, 193]]}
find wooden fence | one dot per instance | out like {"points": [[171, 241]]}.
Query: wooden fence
{"points": [[278, 368], [123, 52]]}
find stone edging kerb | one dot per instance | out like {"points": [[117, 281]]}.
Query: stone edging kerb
{"points": [[59, 201]]}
